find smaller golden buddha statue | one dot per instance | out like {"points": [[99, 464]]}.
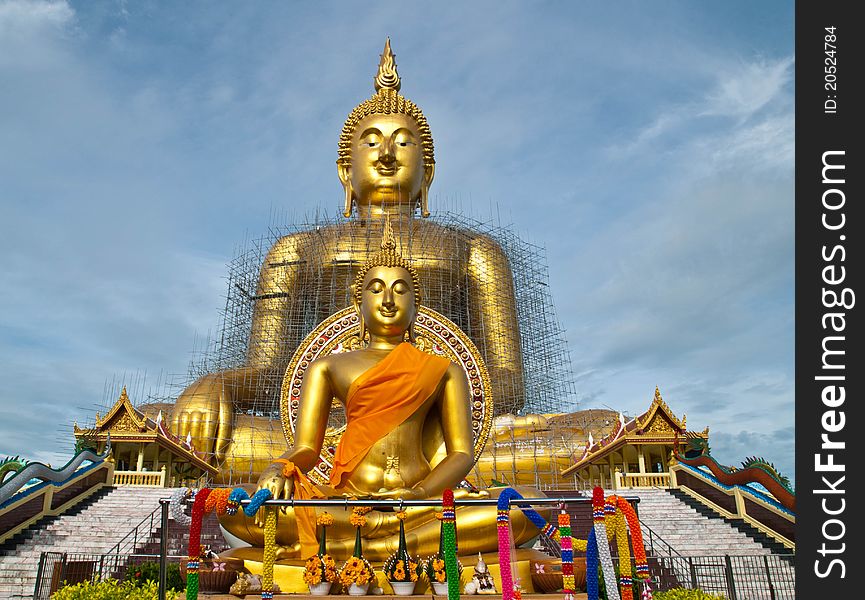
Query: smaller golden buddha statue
{"points": [[396, 397]]}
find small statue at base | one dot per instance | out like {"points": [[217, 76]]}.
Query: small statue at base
{"points": [[248, 584], [482, 581]]}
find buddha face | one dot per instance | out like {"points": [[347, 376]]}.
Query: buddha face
{"points": [[387, 301], [386, 162]]}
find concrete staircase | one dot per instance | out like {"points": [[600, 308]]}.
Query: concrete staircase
{"points": [[758, 567], [689, 531], [91, 528]]}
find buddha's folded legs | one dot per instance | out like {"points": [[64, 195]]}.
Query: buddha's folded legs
{"points": [[476, 530]]}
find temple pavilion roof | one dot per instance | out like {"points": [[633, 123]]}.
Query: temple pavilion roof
{"points": [[125, 423], [658, 425]]}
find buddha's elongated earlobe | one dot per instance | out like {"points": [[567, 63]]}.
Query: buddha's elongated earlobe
{"points": [[362, 334], [346, 210], [344, 173], [424, 201], [411, 334], [361, 322], [429, 173]]}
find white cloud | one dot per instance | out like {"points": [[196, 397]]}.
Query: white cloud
{"points": [[31, 32], [743, 136], [744, 91]]}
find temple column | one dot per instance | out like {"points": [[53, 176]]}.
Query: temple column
{"points": [[156, 456], [641, 459], [140, 465]]}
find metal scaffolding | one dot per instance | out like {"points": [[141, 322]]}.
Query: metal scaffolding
{"points": [[307, 291]]}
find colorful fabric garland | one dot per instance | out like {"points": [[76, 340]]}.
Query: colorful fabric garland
{"points": [[178, 506], [194, 548], [449, 541], [642, 565], [503, 526], [598, 514], [226, 501], [568, 582], [270, 517], [615, 523], [612, 517], [592, 589]]}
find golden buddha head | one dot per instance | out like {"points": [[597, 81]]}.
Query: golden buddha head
{"points": [[385, 155], [387, 291]]}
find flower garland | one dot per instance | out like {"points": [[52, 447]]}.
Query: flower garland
{"points": [[194, 549], [217, 501], [615, 511], [615, 523], [449, 540], [270, 516], [604, 557], [227, 501], [636, 537], [592, 590], [178, 507], [568, 582], [503, 509]]}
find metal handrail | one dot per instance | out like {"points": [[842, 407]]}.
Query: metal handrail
{"points": [[115, 549], [672, 552], [402, 503]]}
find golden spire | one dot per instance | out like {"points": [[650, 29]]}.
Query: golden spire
{"points": [[387, 240], [387, 77]]}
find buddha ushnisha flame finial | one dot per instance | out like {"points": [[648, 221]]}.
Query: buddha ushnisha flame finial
{"points": [[387, 240], [387, 77]]}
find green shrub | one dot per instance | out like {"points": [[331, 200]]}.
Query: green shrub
{"points": [[111, 589], [149, 571], [685, 594]]}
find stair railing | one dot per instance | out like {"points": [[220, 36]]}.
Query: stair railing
{"points": [[667, 558], [141, 533]]}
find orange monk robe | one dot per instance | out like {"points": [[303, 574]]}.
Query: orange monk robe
{"points": [[381, 399]]}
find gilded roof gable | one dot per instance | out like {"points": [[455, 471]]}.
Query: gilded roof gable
{"points": [[122, 416], [653, 419]]}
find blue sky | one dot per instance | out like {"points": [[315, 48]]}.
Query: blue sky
{"points": [[648, 146]]}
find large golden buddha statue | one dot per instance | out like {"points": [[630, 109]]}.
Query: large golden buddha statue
{"points": [[396, 398], [386, 166]]}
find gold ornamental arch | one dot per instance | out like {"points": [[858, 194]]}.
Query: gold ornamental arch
{"points": [[434, 334]]}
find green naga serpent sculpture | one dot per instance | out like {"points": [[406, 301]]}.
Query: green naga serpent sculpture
{"points": [[11, 464], [22, 472], [753, 470]]}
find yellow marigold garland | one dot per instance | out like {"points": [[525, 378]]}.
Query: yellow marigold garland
{"points": [[616, 528], [270, 516]]}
